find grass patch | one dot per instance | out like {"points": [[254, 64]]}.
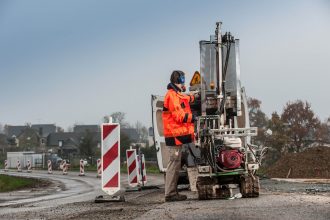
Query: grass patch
{"points": [[11, 183], [150, 169], [89, 168]]}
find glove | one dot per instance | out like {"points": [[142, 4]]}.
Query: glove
{"points": [[197, 95]]}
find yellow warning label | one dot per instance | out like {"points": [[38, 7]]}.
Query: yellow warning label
{"points": [[196, 79]]}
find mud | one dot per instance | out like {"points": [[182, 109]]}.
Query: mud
{"points": [[278, 200], [311, 163]]}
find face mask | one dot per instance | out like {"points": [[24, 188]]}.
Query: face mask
{"points": [[183, 88]]}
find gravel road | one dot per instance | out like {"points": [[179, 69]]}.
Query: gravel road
{"points": [[72, 197]]}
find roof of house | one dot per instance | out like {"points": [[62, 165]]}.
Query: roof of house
{"points": [[84, 128], [44, 129], [15, 130], [28, 132], [54, 138], [70, 144]]}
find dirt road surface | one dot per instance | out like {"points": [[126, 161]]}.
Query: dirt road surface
{"points": [[72, 197]]}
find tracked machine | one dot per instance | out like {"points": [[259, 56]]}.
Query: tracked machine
{"points": [[225, 157]]}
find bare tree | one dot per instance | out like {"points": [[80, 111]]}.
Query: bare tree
{"points": [[301, 124], [278, 141], [257, 119], [87, 145], [117, 117], [142, 131], [59, 129], [70, 129], [323, 133], [1, 128]]}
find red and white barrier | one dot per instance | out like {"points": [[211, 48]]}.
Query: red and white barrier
{"points": [[143, 169], [110, 158], [29, 167], [82, 168], [6, 166], [64, 168], [99, 168], [50, 168], [132, 170], [19, 169]]}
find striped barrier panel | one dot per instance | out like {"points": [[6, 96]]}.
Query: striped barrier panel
{"points": [[132, 168], [19, 169], [29, 167], [50, 168], [110, 158], [64, 168], [82, 168], [143, 169], [99, 168], [6, 166]]}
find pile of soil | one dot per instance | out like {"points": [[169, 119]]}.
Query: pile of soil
{"points": [[311, 163]]}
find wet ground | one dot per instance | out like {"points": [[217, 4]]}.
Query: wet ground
{"points": [[278, 200]]}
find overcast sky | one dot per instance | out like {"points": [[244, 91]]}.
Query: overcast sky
{"points": [[69, 62]]}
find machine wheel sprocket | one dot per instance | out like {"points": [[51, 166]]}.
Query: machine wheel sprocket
{"points": [[249, 186]]}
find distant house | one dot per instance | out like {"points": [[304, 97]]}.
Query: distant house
{"points": [[45, 138], [64, 142], [31, 137], [69, 142], [93, 130], [29, 140], [69, 146]]}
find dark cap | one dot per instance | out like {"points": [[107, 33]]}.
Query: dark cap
{"points": [[177, 77]]}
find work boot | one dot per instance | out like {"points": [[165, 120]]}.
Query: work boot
{"points": [[176, 197]]}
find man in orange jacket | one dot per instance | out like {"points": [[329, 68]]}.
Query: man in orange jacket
{"points": [[178, 122]]}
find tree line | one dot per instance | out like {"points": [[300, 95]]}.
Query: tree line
{"points": [[87, 145], [293, 130]]}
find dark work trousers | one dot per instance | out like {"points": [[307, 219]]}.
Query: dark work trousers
{"points": [[173, 169]]}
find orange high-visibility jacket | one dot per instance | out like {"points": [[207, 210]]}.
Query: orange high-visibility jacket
{"points": [[177, 117]]}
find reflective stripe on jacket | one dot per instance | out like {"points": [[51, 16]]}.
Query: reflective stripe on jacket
{"points": [[177, 117]]}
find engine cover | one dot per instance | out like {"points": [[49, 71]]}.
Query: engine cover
{"points": [[230, 159]]}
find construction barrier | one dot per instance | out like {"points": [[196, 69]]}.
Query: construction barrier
{"points": [[19, 169], [132, 171], [99, 168], [142, 169], [29, 167], [110, 158], [64, 168], [82, 168], [6, 166], [50, 169]]}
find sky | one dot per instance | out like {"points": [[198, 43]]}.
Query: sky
{"points": [[73, 62]]}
